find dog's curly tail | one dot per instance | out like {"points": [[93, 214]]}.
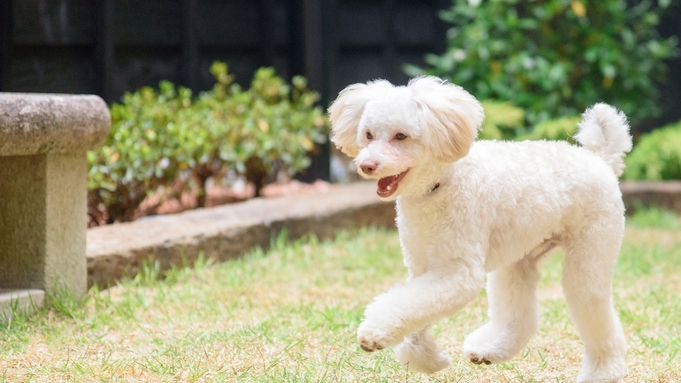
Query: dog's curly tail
{"points": [[605, 131]]}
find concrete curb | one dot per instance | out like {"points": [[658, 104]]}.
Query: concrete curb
{"points": [[229, 231], [662, 194]]}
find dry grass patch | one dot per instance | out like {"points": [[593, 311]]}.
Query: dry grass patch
{"points": [[290, 315]]}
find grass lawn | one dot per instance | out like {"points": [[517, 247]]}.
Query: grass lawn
{"points": [[290, 315]]}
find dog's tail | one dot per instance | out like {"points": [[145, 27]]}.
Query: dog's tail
{"points": [[605, 131]]}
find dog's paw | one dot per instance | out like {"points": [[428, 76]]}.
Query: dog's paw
{"points": [[478, 359], [369, 345], [490, 344], [372, 339], [420, 353], [606, 369]]}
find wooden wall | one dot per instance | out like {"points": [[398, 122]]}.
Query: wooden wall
{"points": [[108, 47]]}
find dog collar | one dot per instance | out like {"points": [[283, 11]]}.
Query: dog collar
{"points": [[437, 185]]}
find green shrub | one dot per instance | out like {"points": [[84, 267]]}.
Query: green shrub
{"points": [[167, 142], [140, 154], [560, 129], [656, 156], [503, 121], [278, 124], [556, 57]]}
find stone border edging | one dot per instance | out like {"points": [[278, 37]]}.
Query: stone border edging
{"points": [[229, 231], [662, 194]]}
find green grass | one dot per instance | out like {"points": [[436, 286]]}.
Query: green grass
{"points": [[655, 217], [290, 315]]}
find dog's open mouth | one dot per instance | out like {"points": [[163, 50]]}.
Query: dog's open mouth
{"points": [[387, 186]]}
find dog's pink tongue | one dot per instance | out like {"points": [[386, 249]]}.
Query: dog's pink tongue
{"points": [[384, 183]]}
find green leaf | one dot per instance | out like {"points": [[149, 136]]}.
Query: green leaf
{"points": [[556, 57]]}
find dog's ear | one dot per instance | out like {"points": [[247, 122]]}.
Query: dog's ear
{"points": [[346, 112], [450, 115]]}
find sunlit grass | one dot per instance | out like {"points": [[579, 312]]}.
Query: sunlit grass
{"points": [[290, 315], [655, 217]]}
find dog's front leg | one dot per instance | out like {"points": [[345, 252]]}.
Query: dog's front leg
{"points": [[406, 309]]}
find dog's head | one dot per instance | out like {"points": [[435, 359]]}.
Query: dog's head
{"points": [[392, 129]]}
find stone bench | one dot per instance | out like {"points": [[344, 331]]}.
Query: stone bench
{"points": [[44, 140]]}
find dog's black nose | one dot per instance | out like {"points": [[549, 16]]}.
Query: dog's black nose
{"points": [[368, 167]]}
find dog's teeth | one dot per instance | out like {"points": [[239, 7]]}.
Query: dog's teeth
{"points": [[389, 187]]}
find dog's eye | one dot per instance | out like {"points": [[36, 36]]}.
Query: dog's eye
{"points": [[370, 136], [400, 136]]}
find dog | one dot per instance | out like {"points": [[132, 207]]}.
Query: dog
{"points": [[473, 210]]}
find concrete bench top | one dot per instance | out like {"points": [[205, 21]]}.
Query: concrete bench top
{"points": [[33, 124]]}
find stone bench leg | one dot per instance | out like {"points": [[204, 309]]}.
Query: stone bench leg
{"points": [[44, 139], [42, 222]]}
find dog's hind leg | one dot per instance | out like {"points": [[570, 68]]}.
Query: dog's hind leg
{"points": [[511, 291], [419, 352], [587, 272]]}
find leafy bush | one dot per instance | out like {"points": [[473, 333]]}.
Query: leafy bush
{"points": [[561, 129], [556, 57], [278, 123], [141, 152], [503, 121], [169, 142], [656, 156]]}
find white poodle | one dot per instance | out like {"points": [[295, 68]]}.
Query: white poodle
{"points": [[468, 209]]}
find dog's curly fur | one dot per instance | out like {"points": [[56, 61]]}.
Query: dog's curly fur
{"points": [[466, 210]]}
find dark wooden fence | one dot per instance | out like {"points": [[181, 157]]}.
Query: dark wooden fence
{"points": [[671, 89], [108, 47]]}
